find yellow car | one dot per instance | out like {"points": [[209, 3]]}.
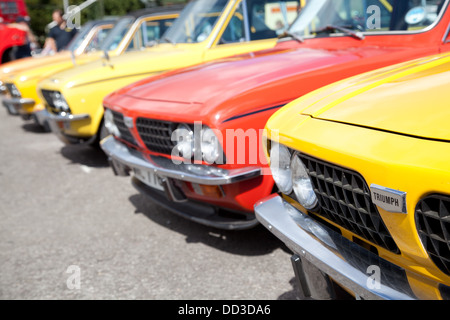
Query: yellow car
{"points": [[363, 166], [132, 32], [205, 30], [84, 41]]}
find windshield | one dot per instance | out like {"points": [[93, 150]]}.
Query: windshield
{"points": [[116, 35], [195, 22], [323, 17], [79, 37]]}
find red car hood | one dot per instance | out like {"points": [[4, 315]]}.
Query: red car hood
{"points": [[199, 91]]}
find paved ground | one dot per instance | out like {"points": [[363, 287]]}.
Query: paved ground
{"points": [[62, 206]]}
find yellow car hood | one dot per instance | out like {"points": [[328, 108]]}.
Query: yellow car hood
{"points": [[13, 67], [47, 69], [127, 65], [409, 98]]}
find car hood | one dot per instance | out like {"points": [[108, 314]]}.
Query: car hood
{"points": [[45, 70], [408, 99], [130, 64], [29, 63], [241, 79]]}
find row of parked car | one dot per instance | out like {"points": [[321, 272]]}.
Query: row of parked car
{"points": [[325, 121]]}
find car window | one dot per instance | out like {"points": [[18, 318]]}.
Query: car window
{"points": [[366, 16], [235, 31], [149, 32], [196, 21], [98, 39], [268, 19]]}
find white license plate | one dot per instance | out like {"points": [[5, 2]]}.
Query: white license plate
{"points": [[149, 178]]}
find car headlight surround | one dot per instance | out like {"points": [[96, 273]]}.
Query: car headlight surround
{"points": [[110, 125], [59, 102], [210, 146], [302, 184], [13, 90], [280, 165]]}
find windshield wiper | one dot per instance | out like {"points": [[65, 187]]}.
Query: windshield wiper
{"points": [[287, 34], [330, 28], [167, 39]]}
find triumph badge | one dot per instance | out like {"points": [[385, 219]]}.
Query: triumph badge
{"points": [[388, 199]]}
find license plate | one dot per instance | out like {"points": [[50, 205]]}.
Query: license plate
{"points": [[64, 125], [149, 178]]}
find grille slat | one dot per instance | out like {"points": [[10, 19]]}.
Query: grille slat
{"points": [[433, 226], [156, 134], [125, 133], [345, 199]]}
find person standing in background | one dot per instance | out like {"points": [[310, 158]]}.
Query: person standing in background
{"points": [[60, 35]]}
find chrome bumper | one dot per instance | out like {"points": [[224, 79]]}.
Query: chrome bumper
{"points": [[41, 118], [127, 159], [340, 259], [123, 160], [14, 105], [57, 123]]}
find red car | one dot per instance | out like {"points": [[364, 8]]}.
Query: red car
{"points": [[10, 36], [191, 138]]}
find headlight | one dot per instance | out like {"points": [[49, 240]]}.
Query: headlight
{"points": [[302, 185], [110, 125], [209, 145], [184, 139], [280, 165], [60, 103]]}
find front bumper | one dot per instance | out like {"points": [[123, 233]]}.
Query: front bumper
{"points": [[3, 88], [15, 105], [58, 123], [41, 118], [124, 160], [338, 258]]}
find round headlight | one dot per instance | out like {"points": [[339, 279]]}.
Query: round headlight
{"points": [[209, 145], [280, 165], [110, 124], [302, 185], [184, 138]]}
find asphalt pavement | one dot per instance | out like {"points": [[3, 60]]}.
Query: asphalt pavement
{"points": [[70, 229]]}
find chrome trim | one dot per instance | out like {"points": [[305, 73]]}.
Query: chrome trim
{"points": [[396, 194], [3, 89], [321, 247], [164, 167], [19, 101], [14, 105], [69, 117], [41, 118]]}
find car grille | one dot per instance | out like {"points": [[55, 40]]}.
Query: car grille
{"points": [[345, 199], [125, 133], [13, 91], [156, 134], [433, 225]]}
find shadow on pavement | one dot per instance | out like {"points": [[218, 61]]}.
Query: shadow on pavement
{"points": [[34, 128], [252, 242], [85, 155]]}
